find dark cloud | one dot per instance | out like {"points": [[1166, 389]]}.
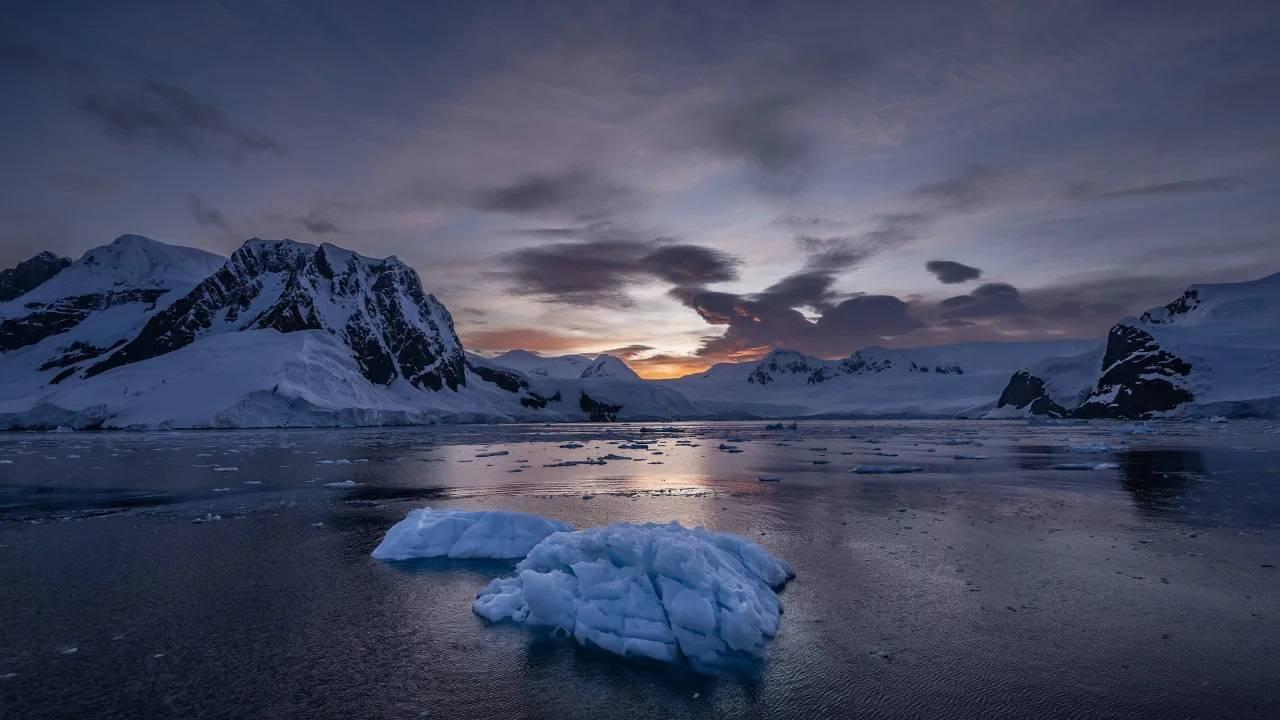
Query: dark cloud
{"points": [[690, 264], [628, 352], [601, 272], [758, 132], [756, 325], [576, 193], [810, 289], [1090, 191], [317, 224], [988, 300], [950, 272], [973, 186], [42, 62], [205, 215], [170, 117]]}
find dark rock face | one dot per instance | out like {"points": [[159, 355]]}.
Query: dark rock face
{"points": [[1028, 391], [75, 352], [1189, 301], [1137, 378], [781, 364], [505, 379], [598, 411], [49, 319], [378, 308], [28, 274]]}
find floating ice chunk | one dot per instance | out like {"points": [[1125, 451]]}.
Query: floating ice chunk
{"points": [[207, 518], [1084, 466], [495, 535], [1093, 447], [770, 478], [1139, 429], [225, 468], [885, 469], [339, 461], [495, 453], [342, 484], [662, 592], [1219, 419], [970, 457], [6, 461]]}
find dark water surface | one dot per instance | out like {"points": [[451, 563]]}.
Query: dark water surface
{"points": [[980, 588]]}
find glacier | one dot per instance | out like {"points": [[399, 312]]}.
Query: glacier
{"points": [[465, 534], [662, 592]]}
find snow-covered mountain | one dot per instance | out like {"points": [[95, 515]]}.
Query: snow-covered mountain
{"points": [[26, 275], [566, 366], [100, 301], [931, 381], [1213, 351], [142, 334]]}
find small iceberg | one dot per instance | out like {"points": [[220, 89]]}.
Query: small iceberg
{"points": [[1084, 466], [342, 484], [885, 469], [465, 534], [1093, 447], [662, 592]]}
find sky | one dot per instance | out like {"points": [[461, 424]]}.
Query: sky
{"points": [[676, 183]]}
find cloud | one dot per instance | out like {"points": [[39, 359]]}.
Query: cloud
{"points": [[317, 224], [170, 117], [754, 326], [205, 215], [577, 193], [503, 339], [950, 272], [758, 132], [970, 188], [985, 301], [1195, 186], [600, 272], [628, 352]]}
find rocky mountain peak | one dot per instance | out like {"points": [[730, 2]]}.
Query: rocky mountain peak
{"points": [[378, 307]]}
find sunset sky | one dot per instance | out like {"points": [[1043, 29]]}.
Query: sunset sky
{"points": [[678, 183]]}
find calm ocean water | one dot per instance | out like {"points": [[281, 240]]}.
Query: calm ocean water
{"points": [[224, 575]]}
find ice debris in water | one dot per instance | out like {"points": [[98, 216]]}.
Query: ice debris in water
{"points": [[1084, 466], [1093, 447], [885, 469], [465, 534], [650, 591], [342, 484]]}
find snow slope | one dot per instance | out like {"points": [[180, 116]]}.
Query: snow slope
{"points": [[661, 592], [1213, 351], [944, 380], [566, 366], [62, 325]]}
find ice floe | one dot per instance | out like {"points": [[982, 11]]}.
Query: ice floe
{"points": [[662, 592], [465, 534], [885, 469], [1084, 466]]}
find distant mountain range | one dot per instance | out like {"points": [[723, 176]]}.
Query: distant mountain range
{"points": [[141, 334]]}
